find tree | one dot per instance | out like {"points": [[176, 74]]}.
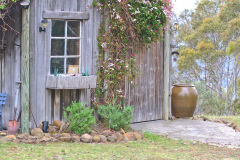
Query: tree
{"points": [[209, 47]]}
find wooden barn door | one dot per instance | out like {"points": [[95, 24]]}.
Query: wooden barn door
{"points": [[147, 96]]}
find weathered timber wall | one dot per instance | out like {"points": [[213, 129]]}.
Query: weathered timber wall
{"points": [[47, 104], [10, 65], [147, 96]]}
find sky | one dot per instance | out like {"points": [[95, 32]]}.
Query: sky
{"points": [[180, 5]]}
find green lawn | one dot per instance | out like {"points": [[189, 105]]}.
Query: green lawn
{"points": [[151, 148], [234, 119]]}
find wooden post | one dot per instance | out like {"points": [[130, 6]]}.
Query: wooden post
{"points": [[25, 69], [57, 105], [166, 73]]}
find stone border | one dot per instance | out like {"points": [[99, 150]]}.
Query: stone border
{"points": [[222, 121]]}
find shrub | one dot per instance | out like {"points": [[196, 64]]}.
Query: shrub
{"points": [[80, 117], [116, 117]]}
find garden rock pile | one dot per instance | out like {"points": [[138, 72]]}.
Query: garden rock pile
{"points": [[59, 132], [222, 121]]}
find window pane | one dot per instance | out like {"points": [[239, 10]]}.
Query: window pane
{"points": [[72, 65], [57, 65], [73, 47], [57, 47], [58, 28], [73, 29]]}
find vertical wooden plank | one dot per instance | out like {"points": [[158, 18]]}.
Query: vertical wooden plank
{"points": [[73, 5], [81, 5], [17, 75], [1, 73], [166, 73], [88, 37], [97, 22], [57, 105], [47, 61], [33, 62], [41, 60], [25, 70]]}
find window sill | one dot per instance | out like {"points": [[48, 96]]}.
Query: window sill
{"points": [[71, 82]]}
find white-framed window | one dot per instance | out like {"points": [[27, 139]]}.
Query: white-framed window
{"points": [[66, 42]]}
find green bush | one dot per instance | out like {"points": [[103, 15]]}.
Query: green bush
{"points": [[208, 102], [116, 117], [80, 117], [236, 107]]}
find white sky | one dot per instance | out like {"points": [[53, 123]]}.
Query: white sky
{"points": [[180, 5]]}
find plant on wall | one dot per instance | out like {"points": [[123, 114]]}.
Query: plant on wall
{"points": [[125, 25], [6, 8]]}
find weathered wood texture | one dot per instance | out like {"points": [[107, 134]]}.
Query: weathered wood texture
{"points": [[10, 67], [65, 15], [71, 82], [42, 97], [166, 73], [147, 96], [25, 39]]}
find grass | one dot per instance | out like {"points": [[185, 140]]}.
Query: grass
{"points": [[153, 147], [234, 119]]}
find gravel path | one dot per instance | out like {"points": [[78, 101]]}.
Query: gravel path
{"points": [[196, 130]]}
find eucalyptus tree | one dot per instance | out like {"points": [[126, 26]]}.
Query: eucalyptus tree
{"points": [[209, 47]]}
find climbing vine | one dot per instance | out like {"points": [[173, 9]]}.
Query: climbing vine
{"points": [[6, 8], [125, 25]]}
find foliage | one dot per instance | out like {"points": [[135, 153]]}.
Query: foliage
{"points": [[209, 52], [208, 102], [80, 117], [236, 107], [4, 3], [115, 116], [126, 24]]}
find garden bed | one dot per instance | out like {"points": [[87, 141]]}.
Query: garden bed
{"points": [[59, 132]]}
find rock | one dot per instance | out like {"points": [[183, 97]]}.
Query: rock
{"points": [[224, 121], [122, 131], [103, 138], [130, 136], [3, 133], [237, 129], [65, 137], [52, 129], [76, 138], [46, 139], [11, 137], [64, 127], [86, 138], [57, 123], [97, 139], [125, 138], [93, 133], [47, 135], [107, 133], [37, 132], [40, 126], [138, 136], [112, 138], [205, 118], [23, 136], [119, 136], [56, 135]]}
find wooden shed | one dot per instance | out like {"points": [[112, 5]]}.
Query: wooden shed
{"points": [[68, 47]]}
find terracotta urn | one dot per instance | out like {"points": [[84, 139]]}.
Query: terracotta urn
{"points": [[184, 100]]}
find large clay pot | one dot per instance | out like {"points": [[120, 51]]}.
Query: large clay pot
{"points": [[184, 100]]}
